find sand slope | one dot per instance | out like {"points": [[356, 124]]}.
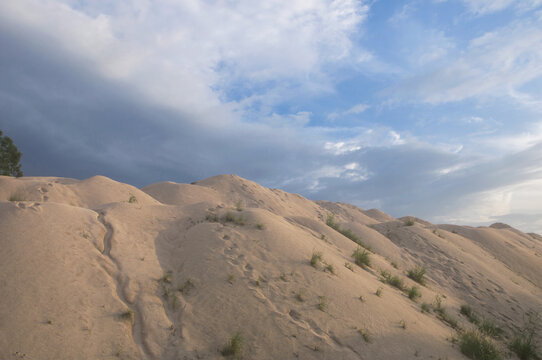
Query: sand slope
{"points": [[96, 269]]}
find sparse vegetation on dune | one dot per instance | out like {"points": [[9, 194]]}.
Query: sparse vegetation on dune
{"points": [[346, 232], [476, 346], [316, 258], [394, 280], [524, 343], [230, 217], [414, 293], [362, 257], [417, 274], [233, 347]]}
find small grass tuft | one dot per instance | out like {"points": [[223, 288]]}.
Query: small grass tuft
{"points": [[322, 303], [239, 205], [132, 199], [409, 222], [230, 217], [488, 327], [211, 217], [470, 314], [330, 269], [426, 307], [16, 197], [394, 281], [365, 335], [186, 287], [402, 324], [127, 315], [476, 346], [300, 296], [166, 279], [417, 274], [316, 258], [231, 278], [362, 257], [378, 291], [260, 226], [233, 347], [348, 266]]}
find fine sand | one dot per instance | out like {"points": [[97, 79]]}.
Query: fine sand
{"points": [[97, 269]]}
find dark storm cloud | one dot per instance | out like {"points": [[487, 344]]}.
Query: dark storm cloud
{"points": [[69, 121]]}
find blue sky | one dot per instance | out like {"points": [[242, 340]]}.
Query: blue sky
{"points": [[427, 108]]}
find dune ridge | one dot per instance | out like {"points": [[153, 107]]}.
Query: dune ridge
{"points": [[97, 269]]}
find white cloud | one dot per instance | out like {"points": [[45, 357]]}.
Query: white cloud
{"points": [[483, 7], [493, 65], [356, 109], [190, 54]]}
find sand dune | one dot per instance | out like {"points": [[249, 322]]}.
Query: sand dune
{"points": [[97, 269]]}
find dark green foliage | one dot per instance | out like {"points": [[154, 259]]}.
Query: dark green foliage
{"points": [[476, 346], [9, 157], [409, 222], [417, 274]]}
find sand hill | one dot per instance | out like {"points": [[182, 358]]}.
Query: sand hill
{"points": [[226, 268]]}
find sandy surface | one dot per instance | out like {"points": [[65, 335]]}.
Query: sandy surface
{"points": [[97, 269]]}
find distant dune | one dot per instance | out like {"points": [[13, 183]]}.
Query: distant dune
{"points": [[226, 268]]}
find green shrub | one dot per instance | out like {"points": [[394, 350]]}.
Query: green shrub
{"points": [[409, 222], [476, 346], [316, 258], [233, 347], [260, 226], [322, 303], [426, 308], [230, 217], [417, 274], [16, 197], [394, 281], [362, 257], [470, 314], [524, 344], [379, 292], [132, 199], [330, 221], [414, 293], [211, 217], [346, 232], [524, 348], [186, 287], [488, 327], [127, 315], [348, 266], [365, 335]]}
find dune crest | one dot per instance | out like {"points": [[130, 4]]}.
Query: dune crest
{"points": [[226, 268]]}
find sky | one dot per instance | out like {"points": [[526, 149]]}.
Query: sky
{"points": [[427, 108]]}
